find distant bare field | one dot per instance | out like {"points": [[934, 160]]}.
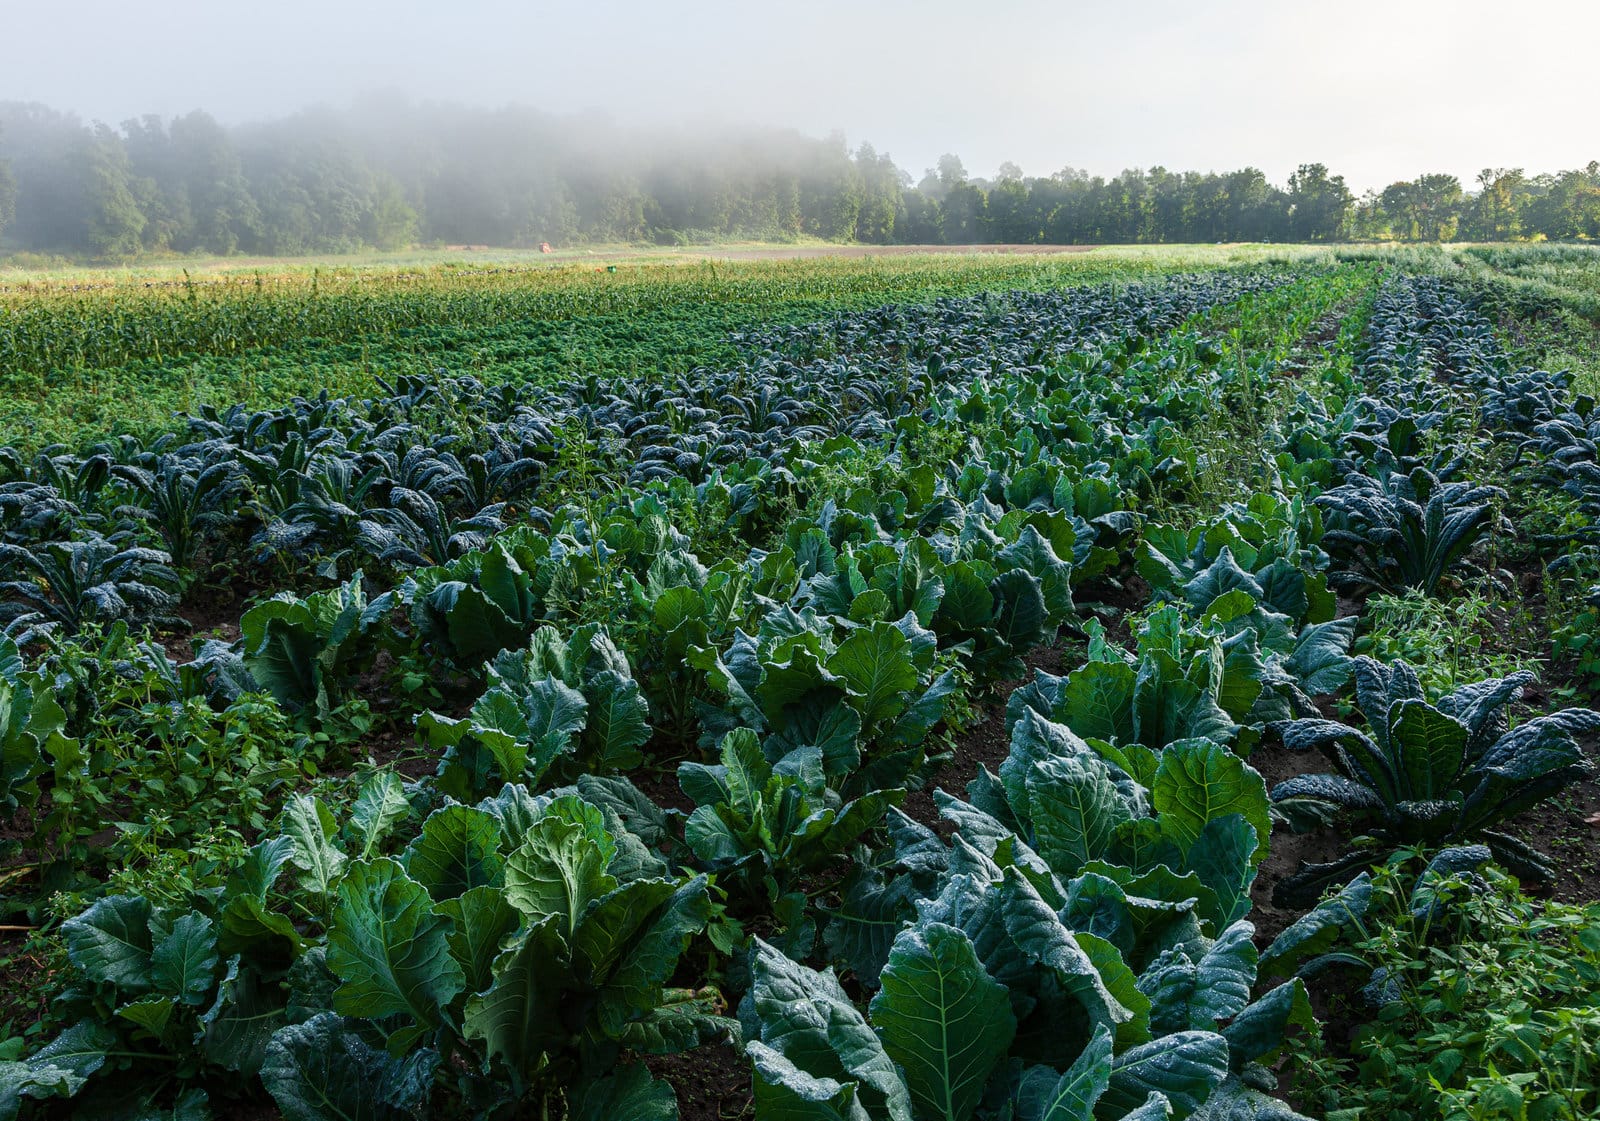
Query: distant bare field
{"points": [[798, 251]]}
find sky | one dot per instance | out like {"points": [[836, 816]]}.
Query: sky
{"points": [[1379, 90]]}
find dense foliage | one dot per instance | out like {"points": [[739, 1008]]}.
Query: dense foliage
{"points": [[336, 181], [589, 724]]}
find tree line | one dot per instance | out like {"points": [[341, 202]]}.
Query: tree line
{"points": [[379, 175]]}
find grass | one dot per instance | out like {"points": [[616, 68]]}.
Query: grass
{"points": [[91, 354]]}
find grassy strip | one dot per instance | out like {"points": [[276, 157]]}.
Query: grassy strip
{"points": [[77, 365]]}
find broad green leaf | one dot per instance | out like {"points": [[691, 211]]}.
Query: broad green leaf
{"points": [[1045, 1096], [613, 921], [239, 1025], [111, 942], [1074, 808], [1318, 929], [153, 1014], [1259, 1031], [618, 723], [266, 937], [806, 1017], [481, 920], [320, 1071], [457, 850], [681, 1020], [1040, 936], [1097, 701], [1224, 976], [784, 1092], [1199, 781], [379, 806], [643, 966], [559, 870], [311, 826], [1020, 612], [388, 946], [875, 665], [63, 1065], [519, 1018], [182, 963], [262, 865], [630, 1094], [1184, 1068], [944, 1020], [1223, 857], [1121, 983]]}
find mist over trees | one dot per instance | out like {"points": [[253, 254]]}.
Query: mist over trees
{"points": [[383, 175]]}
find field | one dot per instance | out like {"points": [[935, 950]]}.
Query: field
{"points": [[1126, 684]]}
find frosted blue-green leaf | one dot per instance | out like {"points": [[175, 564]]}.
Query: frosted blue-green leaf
{"points": [[321, 1071], [1258, 1032], [806, 1017], [1183, 1067], [1043, 1095], [1075, 809], [784, 1092]]}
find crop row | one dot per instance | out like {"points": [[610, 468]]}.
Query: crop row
{"points": [[792, 577]]}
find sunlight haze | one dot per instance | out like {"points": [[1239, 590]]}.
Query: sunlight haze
{"points": [[1377, 90]]}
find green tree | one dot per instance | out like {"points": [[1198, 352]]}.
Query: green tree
{"points": [[8, 197], [112, 220], [965, 207], [1494, 213], [1320, 204], [391, 223]]}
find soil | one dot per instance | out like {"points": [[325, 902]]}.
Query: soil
{"points": [[984, 744], [1566, 828], [207, 613], [712, 1082], [1288, 851]]}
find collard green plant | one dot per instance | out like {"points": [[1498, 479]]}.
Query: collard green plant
{"points": [[866, 702], [1223, 675], [762, 827], [530, 936], [1078, 950], [309, 652], [550, 708]]}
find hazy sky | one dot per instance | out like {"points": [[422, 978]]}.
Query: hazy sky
{"points": [[1377, 89]]}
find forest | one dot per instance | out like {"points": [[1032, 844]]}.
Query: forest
{"points": [[385, 174]]}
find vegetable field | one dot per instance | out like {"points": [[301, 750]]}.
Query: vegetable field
{"points": [[1114, 687]]}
